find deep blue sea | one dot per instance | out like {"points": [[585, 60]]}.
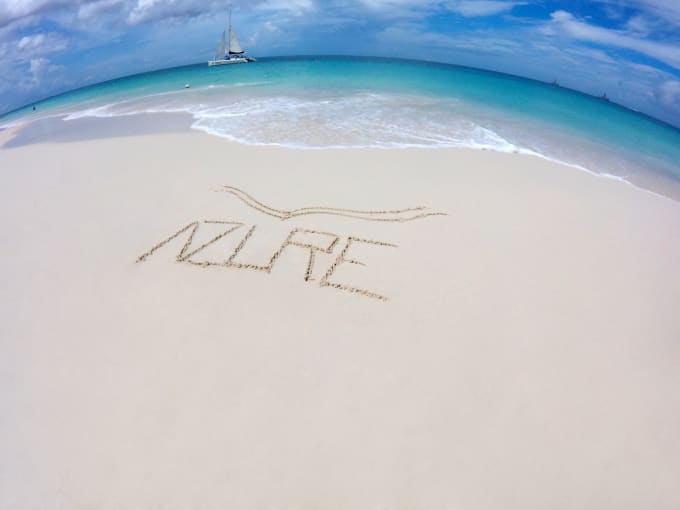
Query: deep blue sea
{"points": [[317, 102]]}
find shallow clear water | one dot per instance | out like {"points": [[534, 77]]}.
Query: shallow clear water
{"points": [[362, 102]]}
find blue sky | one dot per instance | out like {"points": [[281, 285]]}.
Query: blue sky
{"points": [[628, 48]]}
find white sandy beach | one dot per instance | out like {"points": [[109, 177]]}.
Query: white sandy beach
{"points": [[526, 354]]}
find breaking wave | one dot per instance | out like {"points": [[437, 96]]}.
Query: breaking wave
{"points": [[318, 120]]}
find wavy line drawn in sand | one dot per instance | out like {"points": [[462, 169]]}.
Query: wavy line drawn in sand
{"points": [[323, 242], [397, 215]]}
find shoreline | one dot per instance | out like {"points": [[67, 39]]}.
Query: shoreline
{"points": [[55, 128]]}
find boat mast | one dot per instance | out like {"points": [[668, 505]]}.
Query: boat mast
{"points": [[234, 43], [229, 52]]}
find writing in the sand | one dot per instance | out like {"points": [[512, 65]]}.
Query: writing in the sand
{"points": [[312, 241]]}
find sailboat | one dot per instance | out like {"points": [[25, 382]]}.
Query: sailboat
{"points": [[231, 54]]}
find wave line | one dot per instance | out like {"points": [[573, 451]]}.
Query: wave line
{"points": [[389, 215]]}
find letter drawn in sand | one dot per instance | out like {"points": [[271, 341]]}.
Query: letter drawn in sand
{"points": [[342, 259], [230, 261], [313, 249], [290, 241], [314, 241], [183, 255]]}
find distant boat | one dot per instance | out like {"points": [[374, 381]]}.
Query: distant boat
{"points": [[604, 97], [231, 53], [554, 82]]}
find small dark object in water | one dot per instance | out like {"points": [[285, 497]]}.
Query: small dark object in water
{"points": [[34, 108]]}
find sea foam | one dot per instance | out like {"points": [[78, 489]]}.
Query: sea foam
{"points": [[318, 120]]}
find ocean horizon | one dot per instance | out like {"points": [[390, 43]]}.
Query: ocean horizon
{"points": [[315, 102]]}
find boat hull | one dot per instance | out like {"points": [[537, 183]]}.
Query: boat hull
{"points": [[227, 61]]}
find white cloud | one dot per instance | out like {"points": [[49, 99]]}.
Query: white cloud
{"points": [[30, 41], [144, 11], [42, 43], [668, 93], [99, 8], [132, 12], [418, 42], [643, 68], [565, 24], [41, 68], [591, 54], [639, 25], [474, 8], [11, 10], [294, 6], [667, 11], [391, 9], [377, 5], [467, 8], [38, 66], [156, 10]]}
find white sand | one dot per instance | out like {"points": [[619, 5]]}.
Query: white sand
{"points": [[528, 356]]}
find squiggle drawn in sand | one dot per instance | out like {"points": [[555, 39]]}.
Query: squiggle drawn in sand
{"points": [[398, 215], [326, 244]]}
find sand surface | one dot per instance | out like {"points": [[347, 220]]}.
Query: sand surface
{"points": [[519, 349]]}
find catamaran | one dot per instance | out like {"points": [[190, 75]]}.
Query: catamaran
{"points": [[231, 54]]}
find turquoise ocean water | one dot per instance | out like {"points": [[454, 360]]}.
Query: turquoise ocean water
{"points": [[317, 102]]}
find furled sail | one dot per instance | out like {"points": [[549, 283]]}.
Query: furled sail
{"points": [[223, 45], [234, 44]]}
